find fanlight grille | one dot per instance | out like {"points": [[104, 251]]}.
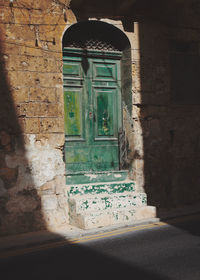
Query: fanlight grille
{"points": [[95, 35]]}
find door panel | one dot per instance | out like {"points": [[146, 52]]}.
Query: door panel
{"points": [[73, 112], [105, 157], [104, 70], [72, 69], [104, 107], [92, 114]]}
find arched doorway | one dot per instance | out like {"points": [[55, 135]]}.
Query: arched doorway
{"points": [[93, 69]]}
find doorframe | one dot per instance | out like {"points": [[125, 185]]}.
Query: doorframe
{"points": [[114, 55], [126, 94], [92, 53]]}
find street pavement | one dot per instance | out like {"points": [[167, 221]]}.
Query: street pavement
{"points": [[158, 251]]}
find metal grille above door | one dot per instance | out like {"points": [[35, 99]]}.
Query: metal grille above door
{"points": [[91, 35]]}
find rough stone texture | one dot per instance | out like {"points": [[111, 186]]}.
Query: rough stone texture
{"points": [[166, 134], [96, 205], [163, 137], [31, 118]]}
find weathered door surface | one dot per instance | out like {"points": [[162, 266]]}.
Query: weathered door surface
{"points": [[92, 98]]}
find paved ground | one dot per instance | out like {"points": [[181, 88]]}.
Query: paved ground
{"points": [[155, 251]]}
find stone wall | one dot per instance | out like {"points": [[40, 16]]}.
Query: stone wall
{"points": [[31, 122], [163, 136], [166, 127], [163, 131]]}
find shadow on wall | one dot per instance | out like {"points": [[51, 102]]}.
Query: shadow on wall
{"points": [[20, 206], [170, 116]]}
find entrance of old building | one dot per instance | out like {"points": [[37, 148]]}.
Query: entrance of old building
{"points": [[92, 98], [92, 53], [97, 83]]}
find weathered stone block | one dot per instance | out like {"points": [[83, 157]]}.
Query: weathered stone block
{"points": [[32, 79], [17, 33], [38, 110], [22, 203], [47, 189], [51, 125], [53, 140], [54, 218], [145, 212], [94, 203], [49, 202], [20, 94], [54, 79], [42, 94], [32, 125]]}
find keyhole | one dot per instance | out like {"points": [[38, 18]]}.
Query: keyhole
{"points": [[90, 115]]}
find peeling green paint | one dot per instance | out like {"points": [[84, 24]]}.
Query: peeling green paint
{"points": [[109, 188], [86, 204], [108, 203], [143, 197], [92, 113], [96, 177]]}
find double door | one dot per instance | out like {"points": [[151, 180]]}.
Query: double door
{"points": [[92, 98]]}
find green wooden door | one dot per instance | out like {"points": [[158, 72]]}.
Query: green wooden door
{"points": [[92, 98]]}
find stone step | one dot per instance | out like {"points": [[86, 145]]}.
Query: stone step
{"points": [[101, 202], [104, 218], [100, 188], [105, 203], [95, 177]]}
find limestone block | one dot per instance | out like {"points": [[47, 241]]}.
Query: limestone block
{"points": [[55, 186], [104, 218], [20, 33], [38, 110], [33, 63], [22, 78], [53, 140], [49, 202], [54, 218], [145, 212], [54, 79], [88, 203], [47, 189], [20, 94], [27, 50], [90, 221], [60, 95], [22, 203], [126, 216], [71, 18], [51, 125], [42, 94], [135, 54], [31, 125], [60, 184], [18, 18], [32, 79]]}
